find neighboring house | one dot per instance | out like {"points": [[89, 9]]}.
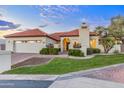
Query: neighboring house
{"points": [[2, 39], [2, 44], [33, 40]]}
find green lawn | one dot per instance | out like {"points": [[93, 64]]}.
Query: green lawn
{"points": [[64, 65]]}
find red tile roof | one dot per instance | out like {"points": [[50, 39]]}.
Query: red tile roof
{"points": [[76, 33], [93, 34], [71, 33], [28, 33], [57, 35], [39, 33]]}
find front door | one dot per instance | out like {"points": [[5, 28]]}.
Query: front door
{"points": [[67, 46], [66, 43]]}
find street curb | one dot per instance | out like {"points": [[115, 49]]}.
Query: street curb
{"points": [[29, 77]]}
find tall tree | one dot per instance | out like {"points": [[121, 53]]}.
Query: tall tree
{"points": [[116, 28], [101, 31], [106, 41]]}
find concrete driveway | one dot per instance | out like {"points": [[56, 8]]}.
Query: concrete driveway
{"points": [[19, 57]]}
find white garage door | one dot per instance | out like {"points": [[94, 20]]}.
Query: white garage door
{"points": [[28, 47]]}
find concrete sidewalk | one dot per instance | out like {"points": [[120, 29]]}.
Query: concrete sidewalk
{"points": [[84, 82]]}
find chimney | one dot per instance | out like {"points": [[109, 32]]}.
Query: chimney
{"points": [[84, 37], [84, 25]]}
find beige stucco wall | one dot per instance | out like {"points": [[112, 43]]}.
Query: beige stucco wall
{"points": [[57, 45], [50, 41], [100, 46], [71, 39], [115, 47]]}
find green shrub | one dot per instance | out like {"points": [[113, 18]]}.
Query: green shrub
{"points": [[50, 51], [74, 52], [44, 51], [96, 50], [91, 51]]}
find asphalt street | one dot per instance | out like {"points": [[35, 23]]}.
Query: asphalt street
{"points": [[24, 84]]}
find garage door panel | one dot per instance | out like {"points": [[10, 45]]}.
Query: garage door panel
{"points": [[28, 47]]}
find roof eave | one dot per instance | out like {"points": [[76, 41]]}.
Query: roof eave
{"points": [[24, 36], [69, 35]]}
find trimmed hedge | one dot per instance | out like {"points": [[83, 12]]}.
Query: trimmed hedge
{"points": [[74, 52], [50, 51], [91, 51], [96, 50]]}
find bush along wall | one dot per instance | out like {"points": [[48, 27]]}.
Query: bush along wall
{"points": [[50, 51], [96, 50], [74, 52], [91, 51]]}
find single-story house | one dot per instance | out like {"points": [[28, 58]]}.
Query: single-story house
{"points": [[33, 40]]}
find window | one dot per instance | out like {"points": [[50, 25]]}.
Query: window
{"points": [[18, 42], [76, 44], [38, 41], [24, 41], [49, 45], [31, 41], [99, 41]]}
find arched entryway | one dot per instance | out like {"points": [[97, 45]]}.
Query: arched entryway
{"points": [[66, 43]]}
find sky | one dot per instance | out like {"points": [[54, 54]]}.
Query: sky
{"points": [[56, 18]]}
